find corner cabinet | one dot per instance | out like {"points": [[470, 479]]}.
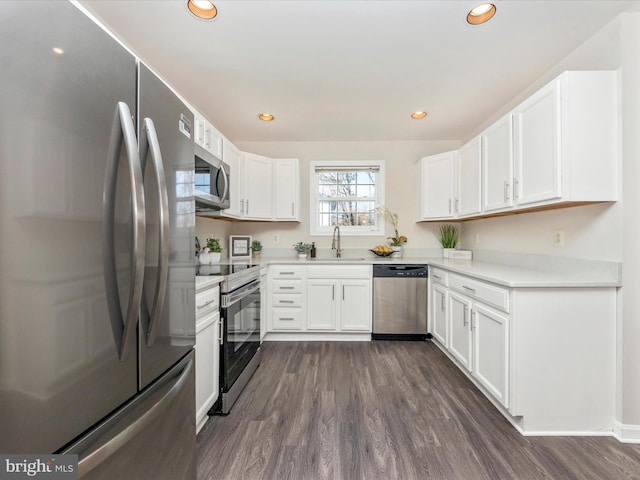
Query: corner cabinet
{"points": [[531, 350], [558, 148]]}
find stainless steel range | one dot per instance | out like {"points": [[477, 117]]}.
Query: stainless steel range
{"points": [[240, 319]]}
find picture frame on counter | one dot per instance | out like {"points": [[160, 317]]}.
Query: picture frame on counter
{"points": [[239, 247]]}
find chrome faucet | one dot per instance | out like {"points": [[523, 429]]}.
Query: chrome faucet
{"points": [[336, 245]]}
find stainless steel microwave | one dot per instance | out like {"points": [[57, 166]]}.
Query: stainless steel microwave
{"points": [[211, 182]]}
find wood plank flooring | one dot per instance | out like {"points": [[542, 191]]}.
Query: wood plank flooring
{"points": [[385, 410]]}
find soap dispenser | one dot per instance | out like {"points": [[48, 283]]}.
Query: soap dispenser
{"points": [[313, 249]]}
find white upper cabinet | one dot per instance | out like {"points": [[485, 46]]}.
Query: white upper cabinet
{"points": [[468, 180], [437, 176], [537, 158], [233, 158], [208, 136], [258, 186], [497, 165], [557, 148], [286, 189], [565, 141]]}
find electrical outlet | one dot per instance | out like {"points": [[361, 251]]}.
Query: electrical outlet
{"points": [[276, 238], [558, 238]]}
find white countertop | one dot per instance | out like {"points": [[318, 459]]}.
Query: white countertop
{"points": [[206, 281], [574, 274]]}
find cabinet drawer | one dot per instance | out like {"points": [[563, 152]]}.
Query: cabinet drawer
{"points": [[439, 276], [287, 286], [286, 271], [207, 301], [287, 319], [287, 300], [485, 292], [341, 271]]}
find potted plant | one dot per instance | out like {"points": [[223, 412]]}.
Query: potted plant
{"points": [[215, 249], [302, 248], [256, 248], [397, 240], [449, 237]]}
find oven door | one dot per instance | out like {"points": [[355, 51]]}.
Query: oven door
{"points": [[241, 331]]}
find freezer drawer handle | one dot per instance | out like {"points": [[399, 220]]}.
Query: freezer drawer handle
{"points": [[169, 391], [149, 144], [123, 327]]}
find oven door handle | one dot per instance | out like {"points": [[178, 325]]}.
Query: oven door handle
{"points": [[232, 298]]}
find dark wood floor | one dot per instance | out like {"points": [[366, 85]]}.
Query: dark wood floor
{"points": [[385, 410]]}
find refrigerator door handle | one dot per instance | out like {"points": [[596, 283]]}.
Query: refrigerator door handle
{"points": [[119, 440], [149, 143], [123, 327]]}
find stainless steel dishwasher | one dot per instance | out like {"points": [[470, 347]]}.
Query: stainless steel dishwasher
{"points": [[399, 302]]}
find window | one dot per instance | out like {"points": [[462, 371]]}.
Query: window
{"points": [[344, 194]]}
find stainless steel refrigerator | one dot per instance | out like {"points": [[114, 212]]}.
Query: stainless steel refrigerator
{"points": [[97, 267]]}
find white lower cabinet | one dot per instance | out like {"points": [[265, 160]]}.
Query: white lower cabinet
{"points": [[207, 351], [320, 299], [544, 355], [491, 351], [460, 343]]}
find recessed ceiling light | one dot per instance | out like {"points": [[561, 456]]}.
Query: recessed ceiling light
{"points": [[418, 115], [204, 9], [481, 14], [57, 50], [266, 117]]}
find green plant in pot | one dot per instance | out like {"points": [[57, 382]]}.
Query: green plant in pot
{"points": [[449, 237], [215, 249], [302, 248], [256, 248]]}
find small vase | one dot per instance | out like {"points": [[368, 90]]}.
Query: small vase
{"points": [[256, 255], [214, 257], [302, 256], [446, 251], [205, 257], [397, 252]]}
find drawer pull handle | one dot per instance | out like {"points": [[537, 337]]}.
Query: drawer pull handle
{"points": [[287, 273], [286, 288], [469, 289], [286, 301], [206, 304], [287, 318], [437, 277]]}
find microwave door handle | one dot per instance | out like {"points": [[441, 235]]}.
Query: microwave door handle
{"points": [[123, 327], [149, 142], [226, 184]]}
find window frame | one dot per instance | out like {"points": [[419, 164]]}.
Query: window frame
{"points": [[314, 198]]}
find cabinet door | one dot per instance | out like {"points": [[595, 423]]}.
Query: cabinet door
{"points": [[355, 305], [468, 199], [286, 186], [537, 147], [491, 352], [199, 134], [258, 182], [207, 367], [439, 324], [437, 185], [321, 304], [497, 165], [233, 158], [460, 329]]}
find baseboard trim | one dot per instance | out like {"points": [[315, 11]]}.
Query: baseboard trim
{"points": [[626, 433]]}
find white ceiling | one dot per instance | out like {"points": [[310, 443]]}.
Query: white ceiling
{"points": [[353, 69]]}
